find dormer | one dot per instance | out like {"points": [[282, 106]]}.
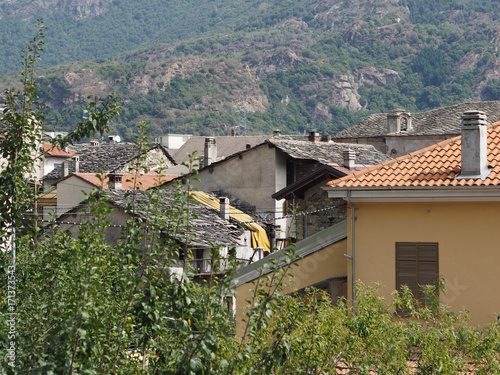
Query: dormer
{"points": [[399, 121]]}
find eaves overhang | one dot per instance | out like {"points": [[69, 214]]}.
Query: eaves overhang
{"points": [[422, 194]]}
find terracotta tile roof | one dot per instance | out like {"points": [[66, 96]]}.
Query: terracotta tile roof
{"points": [[145, 181], [435, 166], [441, 121], [56, 151]]}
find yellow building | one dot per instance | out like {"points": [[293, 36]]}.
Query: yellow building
{"points": [[321, 263], [432, 212]]}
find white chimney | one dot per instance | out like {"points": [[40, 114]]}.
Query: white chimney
{"points": [[224, 208], [115, 181], [210, 152], [76, 160], [65, 168], [276, 133], [349, 158], [474, 145]]}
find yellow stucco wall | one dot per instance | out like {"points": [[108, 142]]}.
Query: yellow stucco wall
{"points": [[468, 236], [324, 264]]}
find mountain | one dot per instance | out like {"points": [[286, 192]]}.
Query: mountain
{"points": [[216, 67]]}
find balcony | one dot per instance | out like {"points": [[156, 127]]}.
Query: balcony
{"points": [[207, 266]]}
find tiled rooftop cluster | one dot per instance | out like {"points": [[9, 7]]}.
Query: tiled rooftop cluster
{"points": [[206, 225], [434, 166], [441, 121]]}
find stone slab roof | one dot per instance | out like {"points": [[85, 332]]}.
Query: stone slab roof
{"points": [[206, 224], [105, 158], [435, 166], [441, 121], [329, 153]]}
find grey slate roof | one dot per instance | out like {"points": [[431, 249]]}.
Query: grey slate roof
{"points": [[441, 121], [206, 224], [105, 157], [329, 153]]}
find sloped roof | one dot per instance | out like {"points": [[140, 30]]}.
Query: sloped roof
{"points": [[56, 151], [144, 181], [104, 158], [303, 248], [205, 223], [435, 166], [226, 146], [441, 121], [329, 153]]}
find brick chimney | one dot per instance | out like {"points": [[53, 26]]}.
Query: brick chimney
{"points": [[349, 158], [224, 208], [474, 145], [210, 151], [314, 136], [115, 181]]}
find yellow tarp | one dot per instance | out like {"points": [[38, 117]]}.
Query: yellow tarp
{"points": [[259, 235]]}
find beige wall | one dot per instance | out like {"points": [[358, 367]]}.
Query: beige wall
{"points": [[319, 266], [252, 178], [70, 192], [468, 236]]}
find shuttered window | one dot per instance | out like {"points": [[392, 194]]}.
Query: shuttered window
{"points": [[416, 265]]}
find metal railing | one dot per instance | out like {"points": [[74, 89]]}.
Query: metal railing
{"points": [[208, 265]]}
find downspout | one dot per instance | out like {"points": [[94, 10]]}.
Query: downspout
{"points": [[353, 242]]}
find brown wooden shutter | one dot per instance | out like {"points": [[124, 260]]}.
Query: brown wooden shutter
{"points": [[416, 265]]}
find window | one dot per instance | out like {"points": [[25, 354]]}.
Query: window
{"points": [[416, 265]]}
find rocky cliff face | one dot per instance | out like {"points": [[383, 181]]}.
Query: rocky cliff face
{"points": [[75, 8], [341, 15]]}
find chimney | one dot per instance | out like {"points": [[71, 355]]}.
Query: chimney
{"points": [[474, 145], [314, 136], [76, 161], [65, 168], [276, 133], [115, 181], [224, 208], [210, 152], [326, 138], [349, 158], [94, 143]]}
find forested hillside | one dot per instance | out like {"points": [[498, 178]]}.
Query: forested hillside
{"points": [[211, 66]]}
